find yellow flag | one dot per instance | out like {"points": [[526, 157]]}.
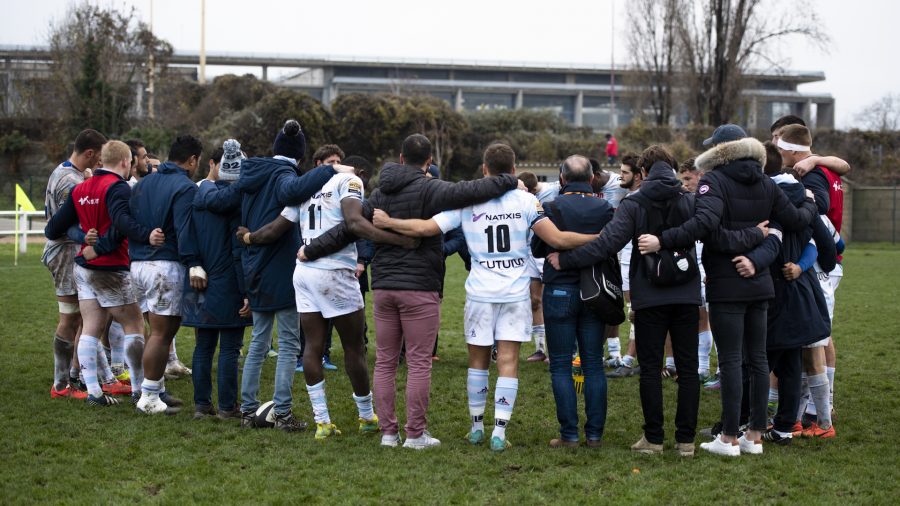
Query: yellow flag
{"points": [[22, 200]]}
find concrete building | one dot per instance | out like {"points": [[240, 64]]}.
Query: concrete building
{"points": [[585, 95]]}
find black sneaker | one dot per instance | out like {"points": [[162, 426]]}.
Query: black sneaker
{"points": [[201, 412], [712, 432], [170, 400], [774, 437], [247, 420], [103, 400], [135, 397], [288, 423]]}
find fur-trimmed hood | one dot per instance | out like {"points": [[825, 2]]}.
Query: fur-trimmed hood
{"points": [[721, 154]]}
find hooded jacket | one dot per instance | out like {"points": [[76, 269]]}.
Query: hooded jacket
{"points": [[628, 223], [265, 188], [220, 256], [799, 314], [404, 192], [163, 200], [734, 194]]}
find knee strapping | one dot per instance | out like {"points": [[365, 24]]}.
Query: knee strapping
{"points": [[68, 307]]}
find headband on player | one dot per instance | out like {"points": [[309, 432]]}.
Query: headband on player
{"points": [[787, 146]]}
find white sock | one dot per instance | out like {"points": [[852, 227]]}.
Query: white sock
{"points": [[539, 335], [116, 347], [477, 390], [818, 387], [830, 372], [173, 352], [88, 347], [151, 388], [705, 343], [628, 361], [504, 400], [773, 394], [804, 395], [670, 362], [133, 345], [364, 406], [614, 347], [319, 402]]}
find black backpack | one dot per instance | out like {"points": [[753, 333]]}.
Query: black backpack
{"points": [[667, 267]]}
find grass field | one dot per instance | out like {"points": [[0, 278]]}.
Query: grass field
{"points": [[58, 451]]}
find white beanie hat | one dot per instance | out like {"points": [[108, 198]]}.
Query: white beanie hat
{"points": [[230, 168]]}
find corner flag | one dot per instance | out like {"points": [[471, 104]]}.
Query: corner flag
{"points": [[22, 204]]}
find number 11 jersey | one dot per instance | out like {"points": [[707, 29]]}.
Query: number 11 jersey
{"points": [[321, 213], [498, 233]]}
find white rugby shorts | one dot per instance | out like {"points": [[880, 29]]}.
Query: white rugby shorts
{"points": [[501, 321], [60, 261], [159, 286], [330, 292], [109, 288]]}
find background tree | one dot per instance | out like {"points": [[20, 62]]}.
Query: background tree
{"points": [[882, 115], [98, 58], [652, 40], [720, 40]]}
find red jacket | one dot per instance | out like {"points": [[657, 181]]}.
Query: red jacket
{"points": [[612, 147]]}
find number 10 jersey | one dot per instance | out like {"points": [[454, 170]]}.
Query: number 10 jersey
{"points": [[498, 233]]}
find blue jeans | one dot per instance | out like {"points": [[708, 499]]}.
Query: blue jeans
{"points": [[227, 372], [288, 350], [566, 321]]}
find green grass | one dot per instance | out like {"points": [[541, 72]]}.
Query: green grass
{"points": [[64, 452]]}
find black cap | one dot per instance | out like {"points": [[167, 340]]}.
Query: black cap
{"points": [[725, 133]]}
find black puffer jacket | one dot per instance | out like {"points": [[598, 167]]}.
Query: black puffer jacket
{"points": [[404, 192], [735, 195]]}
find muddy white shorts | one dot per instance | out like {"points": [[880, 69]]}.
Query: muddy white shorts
{"points": [[501, 321], [109, 288], [330, 292], [59, 257], [159, 286]]}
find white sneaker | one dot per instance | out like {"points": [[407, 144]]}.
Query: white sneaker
{"points": [[720, 447], [176, 369], [421, 442], [750, 447], [391, 440], [154, 406]]}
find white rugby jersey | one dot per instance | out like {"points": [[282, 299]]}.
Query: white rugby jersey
{"points": [[548, 192], [498, 233], [613, 191], [835, 235], [64, 178], [323, 212]]}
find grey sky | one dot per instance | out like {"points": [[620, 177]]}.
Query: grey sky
{"points": [[859, 69]]}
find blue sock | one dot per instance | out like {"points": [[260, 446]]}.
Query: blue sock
{"points": [[88, 347], [477, 390], [504, 400], [116, 347], [104, 372], [319, 402]]}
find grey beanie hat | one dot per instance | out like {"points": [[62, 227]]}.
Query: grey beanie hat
{"points": [[230, 168]]}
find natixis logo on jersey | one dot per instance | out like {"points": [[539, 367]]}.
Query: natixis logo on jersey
{"points": [[496, 217], [88, 201]]}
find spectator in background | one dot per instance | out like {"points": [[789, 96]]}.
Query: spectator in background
{"points": [[612, 149]]}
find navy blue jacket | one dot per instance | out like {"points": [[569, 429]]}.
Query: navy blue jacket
{"points": [[798, 315], [265, 188], [164, 199], [220, 256], [576, 209]]}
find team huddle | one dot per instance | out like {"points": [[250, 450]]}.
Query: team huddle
{"points": [[739, 246]]}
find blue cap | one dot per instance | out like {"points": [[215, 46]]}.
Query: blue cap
{"points": [[434, 171], [725, 133]]}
